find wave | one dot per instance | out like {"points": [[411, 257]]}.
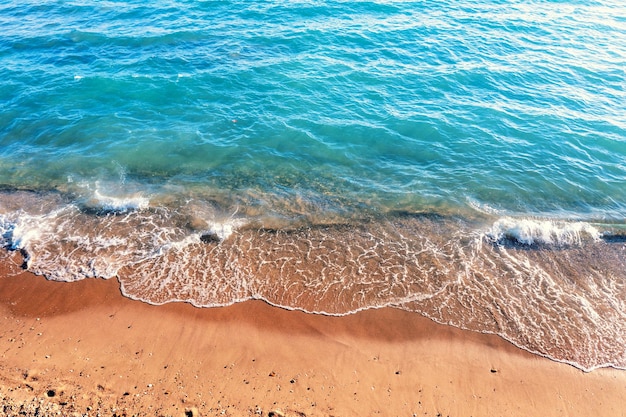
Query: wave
{"points": [[544, 232], [119, 204]]}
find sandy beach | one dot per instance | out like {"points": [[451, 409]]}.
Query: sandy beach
{"points": [[83, 349]]}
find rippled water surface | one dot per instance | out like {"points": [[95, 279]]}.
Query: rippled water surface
{"points": [[463, 161]]}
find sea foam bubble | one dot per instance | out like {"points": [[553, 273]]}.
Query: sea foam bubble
{"points": [[121, 203]]}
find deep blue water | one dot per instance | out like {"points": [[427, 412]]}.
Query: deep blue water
{"points": [[131, 128]]}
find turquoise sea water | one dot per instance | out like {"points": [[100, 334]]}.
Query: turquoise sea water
{"points": [[464, 160]]}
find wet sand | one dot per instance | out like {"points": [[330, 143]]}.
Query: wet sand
{"points": [[82, 349]]}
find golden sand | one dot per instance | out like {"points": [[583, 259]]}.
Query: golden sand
{"points": [[84, 349]]}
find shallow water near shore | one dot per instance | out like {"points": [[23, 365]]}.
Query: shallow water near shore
{"points": [[555, 288], [466, 163]]}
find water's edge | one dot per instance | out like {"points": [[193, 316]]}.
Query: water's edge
{"points": [[555, 288]]}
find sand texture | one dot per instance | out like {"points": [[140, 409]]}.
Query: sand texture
{"points": [[83, 349]]}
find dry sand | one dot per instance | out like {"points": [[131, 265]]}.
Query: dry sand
{"points": [[83, 349]]}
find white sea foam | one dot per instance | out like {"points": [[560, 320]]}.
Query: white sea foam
{"points": [[483, 207], [6, 231], [19, 232], [532, 231], [224, 229], [122, 203]]}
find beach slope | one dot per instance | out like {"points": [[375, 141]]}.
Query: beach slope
{"points": [[83, 349]]}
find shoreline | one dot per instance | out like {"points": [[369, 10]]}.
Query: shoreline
{"points": [[556, 296], [82, 348]]}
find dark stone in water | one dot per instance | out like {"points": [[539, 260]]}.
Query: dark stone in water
{"points": [[614, 238], [210, 238]]}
